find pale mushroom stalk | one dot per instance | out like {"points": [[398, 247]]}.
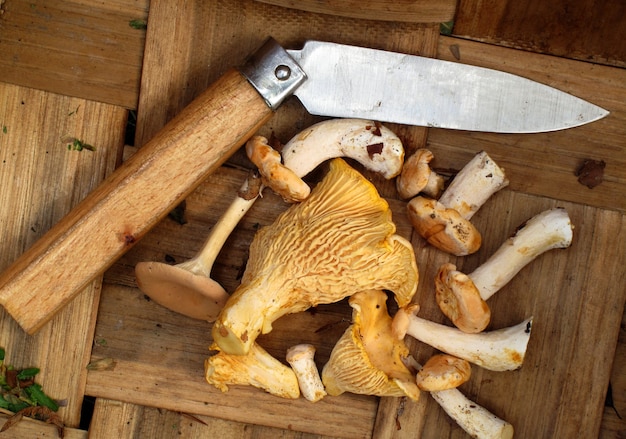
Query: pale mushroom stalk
{"points": [[550, 229], [373, 145], [187, 288], [462, 298], [476, 420], [479, 179], [301, 359], [499, 350]]}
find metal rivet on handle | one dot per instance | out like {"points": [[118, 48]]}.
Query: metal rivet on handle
{"points": [[282, 72]]}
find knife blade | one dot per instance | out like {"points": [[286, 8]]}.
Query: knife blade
{"points": [[347, 81], [133, 199]]}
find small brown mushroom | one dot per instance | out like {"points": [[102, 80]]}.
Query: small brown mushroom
{"points": [[278, 177], [442, 227], [417, 176], [442, 372], [445, 223], [462, 298]]}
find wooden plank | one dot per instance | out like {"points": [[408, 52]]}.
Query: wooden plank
{"points": [[404, 10], [577, 312], [545, 163], [584, 30], [41, 180], [124, 420], [613, 420], [29, 428], [80, 48]]}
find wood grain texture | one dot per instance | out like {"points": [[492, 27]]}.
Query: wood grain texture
{"points": [[75, 48], [29, 428], [131, 201], [124, 420], [587, 30], [41, 180], [405, 10]]}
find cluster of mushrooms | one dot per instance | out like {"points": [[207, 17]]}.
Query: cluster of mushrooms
{"points": [[338, 241]]}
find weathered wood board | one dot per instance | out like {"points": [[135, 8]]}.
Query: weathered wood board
{"points": [[40, 180], [79, 48], [577, 309]]}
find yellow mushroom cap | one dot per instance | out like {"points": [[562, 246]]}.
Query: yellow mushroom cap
{"points": [[443, 372], [339, 241], [459, 299], [368, 359]]}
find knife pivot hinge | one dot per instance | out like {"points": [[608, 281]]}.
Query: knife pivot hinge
{"points": [[273, 73]]}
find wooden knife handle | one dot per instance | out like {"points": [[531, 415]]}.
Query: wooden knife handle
{"points": [[133, 199]]}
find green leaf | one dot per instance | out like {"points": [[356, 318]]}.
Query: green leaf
{"points": [[36, 394], [446, 28], [2, 354], [138, 24], [29, 372]]}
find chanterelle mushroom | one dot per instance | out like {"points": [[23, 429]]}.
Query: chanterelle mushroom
{"points": [[416, 176], [442, 372], [277, 176], [257, 368], [301, 359], [462, 298], [444, 223], [339, 241], [368, 359]]}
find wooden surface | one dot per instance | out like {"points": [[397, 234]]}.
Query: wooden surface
{"points": [[578, 308], [584, 30]]}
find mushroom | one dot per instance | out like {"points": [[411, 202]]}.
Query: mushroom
{"points": [[300, 357], [445, 223], [187, 288], [442, 372], [417, 176], [373, 145], [443, 228], [475, 420], [339, 241], [367, 359], [498, 350], [278, 177], [257, 368], [462, 298]]}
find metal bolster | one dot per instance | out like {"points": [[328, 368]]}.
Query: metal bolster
{"points": [[273, 73]]}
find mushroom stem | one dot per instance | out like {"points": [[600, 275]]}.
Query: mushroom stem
{"points": [[479, 179], [187, 288], [547, 230], [499, 350], [477, 421], [300, 357], [370, 143], [202, 263]]}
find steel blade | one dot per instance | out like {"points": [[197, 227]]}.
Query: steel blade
{"points": [[348, 81]]}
